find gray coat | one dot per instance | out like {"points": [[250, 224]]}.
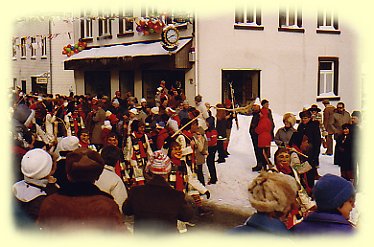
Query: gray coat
{"points": [[283, 136], [96, 132], [337, 120]]}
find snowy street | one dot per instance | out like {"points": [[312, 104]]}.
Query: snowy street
{"points": [[230, 192]]}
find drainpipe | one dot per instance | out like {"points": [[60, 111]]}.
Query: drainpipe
{"points": [[197, 90], [50, 51]]}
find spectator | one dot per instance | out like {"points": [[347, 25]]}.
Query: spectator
{"points": [[335, 198], [327, 114], [283, 135]]}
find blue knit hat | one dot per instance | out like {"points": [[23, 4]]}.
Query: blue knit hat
{"points": [[331, 191]]}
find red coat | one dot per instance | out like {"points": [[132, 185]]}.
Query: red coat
{"points": [[264, 129]]}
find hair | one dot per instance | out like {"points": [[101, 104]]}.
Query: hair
{"points": [[111, 154], [340, 103], [198, 98], [112, 134], [264, 101], [356, 114], [290, 118], [172, 145], [136, 124]]}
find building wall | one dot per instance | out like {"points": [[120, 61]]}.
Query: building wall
{"points": [[288, 61], [24, 68]]}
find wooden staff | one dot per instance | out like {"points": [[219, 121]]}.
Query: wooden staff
{"points": [[294, 150], [184, 126]]}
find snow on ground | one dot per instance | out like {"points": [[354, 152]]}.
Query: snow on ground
{"points": [[236, 173]]}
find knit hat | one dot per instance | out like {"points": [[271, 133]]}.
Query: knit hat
{"points": [[169, 109], [36, 164], [69, 143], [159, 163], [272, 192], [115, 101], [84, 165], [143, 100], [331, 191]]}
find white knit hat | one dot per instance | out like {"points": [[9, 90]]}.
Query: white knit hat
{"points": [[69, 143], [143, 100], [134, 111], [36, 164], [159, 163], [155, 110]]}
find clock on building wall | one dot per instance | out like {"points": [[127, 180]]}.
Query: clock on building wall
{"points": [[169, 38]]}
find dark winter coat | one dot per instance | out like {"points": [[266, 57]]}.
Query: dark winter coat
{"points": [[312, 131], [344, 152], [254, 122], [323, 222], [82, 205], [261, 223], [156, 206]]}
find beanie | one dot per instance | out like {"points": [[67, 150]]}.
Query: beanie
{"points": [[69, 143], [159, 163], [36, 164], [84, 165], [331, 191], [273, 192]]}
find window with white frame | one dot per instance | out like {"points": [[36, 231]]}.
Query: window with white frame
{"points": [[105, 24], [44, 46], [327, 20], [33, 47], [177, 17], [86, 25], [290, 17], [328, 76], [126, 21], [248, 15], [23, 47]]}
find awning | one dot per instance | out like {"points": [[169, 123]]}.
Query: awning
{"points": [[123, 53]]}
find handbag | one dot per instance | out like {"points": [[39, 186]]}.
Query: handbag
{"points": [[306, 203]]}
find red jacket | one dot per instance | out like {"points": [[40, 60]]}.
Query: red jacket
{"points": [[264, 129]]}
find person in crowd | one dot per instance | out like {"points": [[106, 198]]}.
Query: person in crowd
{"points": [[264, 130], [37, 168], [65, 146], [345, 153], [221, 123], [161, 136], [336, 121], [273, 195], [283, 135], [84, 139], [173, 122], [183, 113], [311, 129], [98, 119], [356, 136], [81, 204], [133, 115], [211, 135], [254, 136], [230, 116], [156, 206], [335, 198], [327, 114], [201, 151], [137, 152], [200, 106], [109, 181]]}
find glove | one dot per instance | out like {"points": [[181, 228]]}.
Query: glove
{"points": [[207, 193]]}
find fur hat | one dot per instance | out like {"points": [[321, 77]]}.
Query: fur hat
{"points": [[273, 192], [331, 191], [69, 143], [84, 165], [36, 164], [289, 117], [159, 163]]}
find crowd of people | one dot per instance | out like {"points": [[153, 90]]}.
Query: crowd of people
{"points": [[91, 161]]}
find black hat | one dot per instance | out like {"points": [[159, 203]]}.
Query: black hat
{"points": [[314, 108], [305, 113]]}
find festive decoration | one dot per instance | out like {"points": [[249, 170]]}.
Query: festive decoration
{"points": [[72, 49], [149, 25]]}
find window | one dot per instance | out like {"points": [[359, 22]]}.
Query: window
{"points": [[328, 77], [290, 19], [44, 46], [33, 47], [86, 26], [248, 17], [23, 47], [14, 48], [126, 22], [327, 22], [105, 25]]}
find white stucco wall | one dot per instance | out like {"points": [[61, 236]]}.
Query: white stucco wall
{"points": [[288, 61]]}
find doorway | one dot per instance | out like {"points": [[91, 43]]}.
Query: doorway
{"points": [[97, 83], [245, 84]]}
